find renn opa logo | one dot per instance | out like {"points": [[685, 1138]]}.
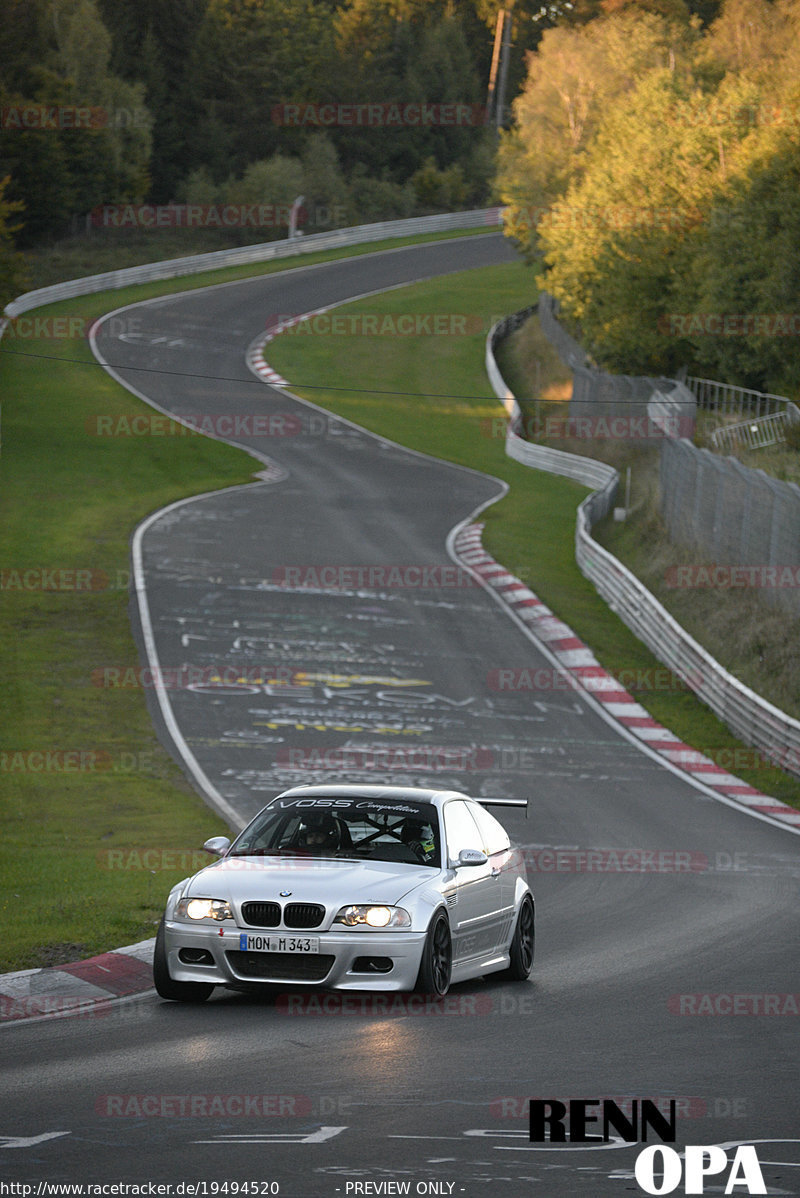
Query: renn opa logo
{"points": [[659, 1169]]}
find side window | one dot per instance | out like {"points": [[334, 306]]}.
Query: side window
{"points": [[494, 836], [460, 828]]}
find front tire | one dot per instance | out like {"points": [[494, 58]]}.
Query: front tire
{"points": [[523, 944], [436, 965], [164, 984]]}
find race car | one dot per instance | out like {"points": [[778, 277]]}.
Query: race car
{"points": [[352, 888]]}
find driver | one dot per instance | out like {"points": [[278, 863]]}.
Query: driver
{"points": [[418, 835], [320, 833]]}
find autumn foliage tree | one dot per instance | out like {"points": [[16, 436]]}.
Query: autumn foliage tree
{"points": [[653, 167]]}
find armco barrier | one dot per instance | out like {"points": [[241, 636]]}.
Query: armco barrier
{"points": [[754, 720], [175, 268]]}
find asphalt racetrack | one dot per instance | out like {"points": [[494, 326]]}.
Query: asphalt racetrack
{"points": [[297, 655]]}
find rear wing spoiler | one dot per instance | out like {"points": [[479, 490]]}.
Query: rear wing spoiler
{"points": [[487, 802]]}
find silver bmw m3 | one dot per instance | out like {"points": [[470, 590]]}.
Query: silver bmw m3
{"points": [[352, 888]]}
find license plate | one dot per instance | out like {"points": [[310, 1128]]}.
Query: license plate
{"points": [[250, 942]]}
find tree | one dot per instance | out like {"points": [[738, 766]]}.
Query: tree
{"points": [[58, 171], [153, 45], [747, 269], [274, 182], [745, 36], [250, 58], [620, 243], [326, 196], [439, 190], [421, 56], [13, 277], [573, 81]]}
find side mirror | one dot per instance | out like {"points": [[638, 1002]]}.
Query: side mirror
{"points": [[217, 845], [471, 857]]}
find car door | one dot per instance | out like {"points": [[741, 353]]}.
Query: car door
{"points": [[505, 866], [474, 912]]}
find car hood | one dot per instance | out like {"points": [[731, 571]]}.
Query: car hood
{"points": [[318, 881]]}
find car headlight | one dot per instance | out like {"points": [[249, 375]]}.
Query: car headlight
{"points": [[372, 915], [204, 908]]}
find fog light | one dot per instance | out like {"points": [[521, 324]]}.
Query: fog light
{"points": [[195, 956]]}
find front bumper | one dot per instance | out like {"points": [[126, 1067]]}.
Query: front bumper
{"points": [[346, 960]]}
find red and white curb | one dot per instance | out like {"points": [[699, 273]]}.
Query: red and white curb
{"points": [[84, 987], [579, 663], [255, 351]]}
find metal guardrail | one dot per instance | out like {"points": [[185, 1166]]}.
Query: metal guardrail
{"points": [[769, 416], [753, 719], [174, 268], [572, 465], [729, 400], [758, 433]]}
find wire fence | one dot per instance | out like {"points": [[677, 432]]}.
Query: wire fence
{"points": [[602, 403], [569, 350], [721, 511], [731, 514]]}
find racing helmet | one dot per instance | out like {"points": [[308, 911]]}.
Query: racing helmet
{"points": [[320, 831]]}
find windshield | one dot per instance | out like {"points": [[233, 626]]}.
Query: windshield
{"points": [[361, 828]]}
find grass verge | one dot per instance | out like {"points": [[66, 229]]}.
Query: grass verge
{"points": [[532, 530], [98, 820]]}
